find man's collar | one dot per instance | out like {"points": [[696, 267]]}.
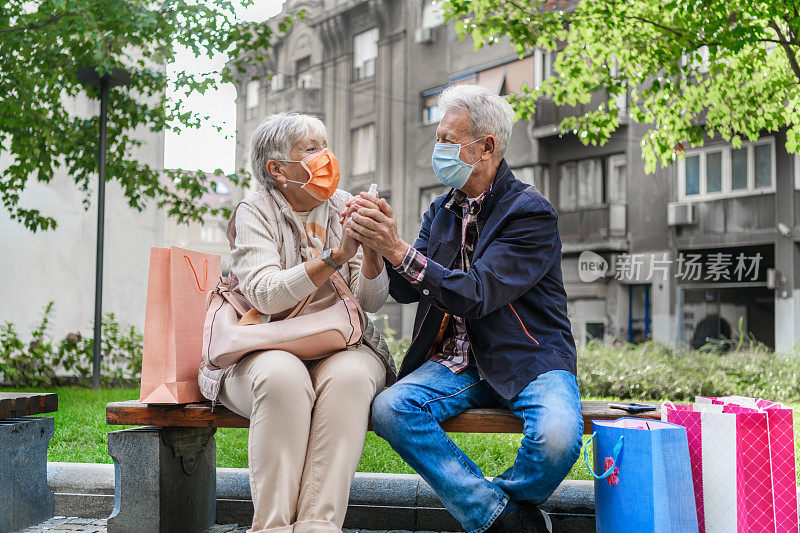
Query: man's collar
{"points": [[459, 197]]}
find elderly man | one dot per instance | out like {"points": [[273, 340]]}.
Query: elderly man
{"points": [[491, 328]]}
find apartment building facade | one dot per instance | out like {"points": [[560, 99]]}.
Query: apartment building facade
{"points": [[372, 70]]}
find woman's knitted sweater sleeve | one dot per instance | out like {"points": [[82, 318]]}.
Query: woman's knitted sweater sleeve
{"points": [[256, 262]]}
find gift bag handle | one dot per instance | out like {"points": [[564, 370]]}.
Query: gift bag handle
{"points": [[196, 278], [617, 450]]}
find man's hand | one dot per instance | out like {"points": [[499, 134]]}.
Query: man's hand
{"points": [[375, 226], [373, 261]]}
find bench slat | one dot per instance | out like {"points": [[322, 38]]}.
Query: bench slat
{"points": [[19, 404], [472, 421]]}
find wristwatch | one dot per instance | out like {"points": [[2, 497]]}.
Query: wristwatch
{"points": [[326, 256]]}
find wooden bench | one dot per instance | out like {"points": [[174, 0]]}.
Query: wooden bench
{"points": [[200, 415], [176, 456], [25, 499]]}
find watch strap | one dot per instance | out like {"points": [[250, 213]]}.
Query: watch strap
{"points": [[326, 256]]}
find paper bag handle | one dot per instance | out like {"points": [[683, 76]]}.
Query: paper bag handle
{"points": [[617, 450], [196, 279]]}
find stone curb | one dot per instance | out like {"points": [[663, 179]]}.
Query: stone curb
{"points": [[377, 501]]}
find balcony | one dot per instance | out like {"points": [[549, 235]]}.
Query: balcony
{"points": [[548, 115], [296, 100], [602, 227]]}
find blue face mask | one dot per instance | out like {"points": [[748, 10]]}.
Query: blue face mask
{"points": [[448, 167]]}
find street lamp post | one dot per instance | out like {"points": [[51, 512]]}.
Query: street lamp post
{"points": [[116, 77]]}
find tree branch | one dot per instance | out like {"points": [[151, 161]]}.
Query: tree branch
{"points": [[787, 48], [657, 25], [47, 22]]}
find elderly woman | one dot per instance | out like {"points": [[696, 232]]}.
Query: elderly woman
{"points": [[308, 418]]}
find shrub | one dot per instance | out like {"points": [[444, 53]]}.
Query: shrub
{"points": [[32, 364], [41, 364], [654, 371]]}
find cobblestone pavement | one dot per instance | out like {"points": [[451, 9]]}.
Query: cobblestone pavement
{"points": [[98, 525], [65, 523]]}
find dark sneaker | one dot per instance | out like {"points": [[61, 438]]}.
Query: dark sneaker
{"points": [[521, 518], [509, 521], [537, 520]]}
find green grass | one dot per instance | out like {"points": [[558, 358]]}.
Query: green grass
{"points": [[81, 436]]}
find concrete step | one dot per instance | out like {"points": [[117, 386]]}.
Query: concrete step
{"points": [[377, 501]]}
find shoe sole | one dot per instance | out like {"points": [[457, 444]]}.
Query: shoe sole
{"points": [[547, 522]]}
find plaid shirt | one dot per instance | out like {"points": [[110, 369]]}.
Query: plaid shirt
{"points": [[453, 350]]}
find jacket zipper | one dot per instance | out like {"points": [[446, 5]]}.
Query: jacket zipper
{"points": [[523, 325]]}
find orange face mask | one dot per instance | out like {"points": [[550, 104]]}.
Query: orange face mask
{"points": [[323, 171]]}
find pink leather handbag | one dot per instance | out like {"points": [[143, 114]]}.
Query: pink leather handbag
{"points": [[327, 321]]}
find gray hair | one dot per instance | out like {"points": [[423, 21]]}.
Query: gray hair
{"points": [[489, 113], [274, 138]]}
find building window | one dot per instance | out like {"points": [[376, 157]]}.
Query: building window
{"points": [[542, 66], [302, 65], [567, 186], [365, 52], [210, 233], [639, 307], [431, 113], [617, 179], [427, 196], [727, 171], [251, 99], [739, 169], [537, 175], [595, 331], [305, 79], [581, 183], [797, 171], [714, 172], [278, 82], [364, 148], [432, 14]]}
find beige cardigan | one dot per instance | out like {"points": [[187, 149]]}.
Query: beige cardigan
{"points": [[265, 257]]}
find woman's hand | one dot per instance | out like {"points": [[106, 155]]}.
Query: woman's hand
{"points": [[372, 265], [364, 199], [347, 249]]}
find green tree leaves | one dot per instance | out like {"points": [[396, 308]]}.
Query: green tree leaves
{"points": [[43, 42], [726, 69]]}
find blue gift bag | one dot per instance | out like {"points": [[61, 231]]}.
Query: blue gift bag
{"points": [[643, 478]]}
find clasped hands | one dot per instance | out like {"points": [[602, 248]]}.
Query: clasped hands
{"points": [[370, 221]]}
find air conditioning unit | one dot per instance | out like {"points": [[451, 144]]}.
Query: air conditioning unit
{"points": [[423, 35], [680, 214], [278, 82]]}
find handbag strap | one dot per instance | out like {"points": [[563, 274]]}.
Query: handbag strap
{"points": [[338, 281]]}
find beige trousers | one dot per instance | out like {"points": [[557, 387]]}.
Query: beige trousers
{"points": [[308, 423]]}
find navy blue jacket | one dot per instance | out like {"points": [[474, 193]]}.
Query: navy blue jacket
{"points": [[512, 299]]}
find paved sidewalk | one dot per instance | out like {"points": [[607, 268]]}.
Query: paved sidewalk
{"points": [[65, 523], [98, 525]]}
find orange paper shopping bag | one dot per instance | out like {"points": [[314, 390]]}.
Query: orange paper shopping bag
{"points": [[173, 329]]}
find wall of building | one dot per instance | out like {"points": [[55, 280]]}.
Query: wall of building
{"points": [[59, 265], [409, 69]]}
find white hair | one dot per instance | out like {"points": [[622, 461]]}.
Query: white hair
{"points": [[489, 113], [274, 138]]}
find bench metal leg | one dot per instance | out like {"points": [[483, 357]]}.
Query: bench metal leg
{"points": [[25, 499], [164, 479]]}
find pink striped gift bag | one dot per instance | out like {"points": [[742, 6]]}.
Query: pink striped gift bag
{"points": [[743, 463]]}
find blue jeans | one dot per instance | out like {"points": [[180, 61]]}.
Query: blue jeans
{"points": [[408, 414]]}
